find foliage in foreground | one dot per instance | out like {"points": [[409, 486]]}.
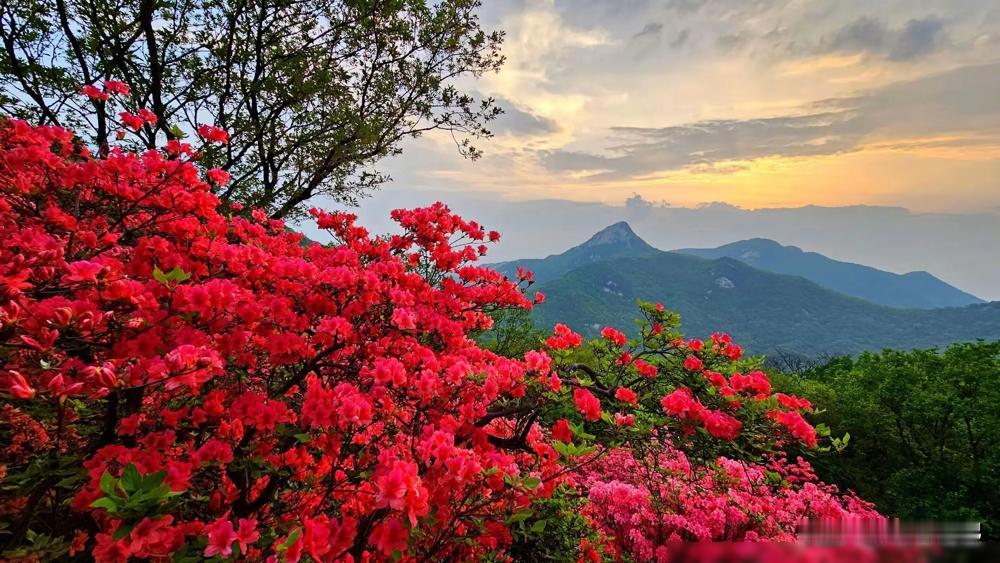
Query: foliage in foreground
{"points": [[181, 383]]}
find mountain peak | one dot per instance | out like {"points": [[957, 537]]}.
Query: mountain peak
{"points": [[761, 243], [619, 234], [610, 243]]}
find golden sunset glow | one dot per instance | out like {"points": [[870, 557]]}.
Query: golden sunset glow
{"points": [[755, 104]]}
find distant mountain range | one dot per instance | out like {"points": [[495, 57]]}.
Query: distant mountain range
{"points": [[919, 290], [597, 283]]}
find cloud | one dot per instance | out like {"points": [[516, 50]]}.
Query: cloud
{"points": [[802, 104], [961, 103], [732, 41], [686, 6], [681, 39], [646, 150], [862, 34], [651, 29], [518, 120], [915, 39], [638, 203]]}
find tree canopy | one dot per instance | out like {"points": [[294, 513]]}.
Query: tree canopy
{"points": [[924, 428], [312, 92]]}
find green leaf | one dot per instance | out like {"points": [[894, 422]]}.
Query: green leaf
{"points": [[131, 481], [106, 503], [531, 482], [579, 431], [520, 516], [69, 482], [292, 538], [108, 483], [561, 447], [122, 531], [159, 276], [154, 480], [539, 527], [176, 275], [160, 492], [179, 275]]}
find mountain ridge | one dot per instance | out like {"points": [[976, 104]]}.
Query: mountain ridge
{"points": [[597, 283], [764, 311], [917, 289]]}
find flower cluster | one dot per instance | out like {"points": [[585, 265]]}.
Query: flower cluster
{"points": [[201, 384], [682, 405], [224, 389], [563, 338], [644, 504], [110, 87]]}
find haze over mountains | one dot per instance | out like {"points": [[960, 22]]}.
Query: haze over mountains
{"points": [[919, 290], [596, 284], [960, 249]]}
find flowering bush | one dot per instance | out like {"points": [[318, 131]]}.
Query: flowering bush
{"points": [[183, 380], [646, 501]]}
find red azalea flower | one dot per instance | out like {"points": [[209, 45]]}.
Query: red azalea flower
{"points": [[220, 538], [626, 395], [563, 338], [693, 363], [537, 361], [624, 420], [116, 87], [561, 431], [587, 404], [254, 369], [133, 122], [218, 176], [213, 134], [94, 93], [614, 336]]}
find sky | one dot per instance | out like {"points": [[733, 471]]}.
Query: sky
{"points": [[742, 105]]}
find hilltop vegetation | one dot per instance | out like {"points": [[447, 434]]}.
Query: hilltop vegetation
{"points": [[768, 312], [924, 426]]}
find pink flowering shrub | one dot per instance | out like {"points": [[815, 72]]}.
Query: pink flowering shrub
{"points": [[646, 502], [183, 380]]}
